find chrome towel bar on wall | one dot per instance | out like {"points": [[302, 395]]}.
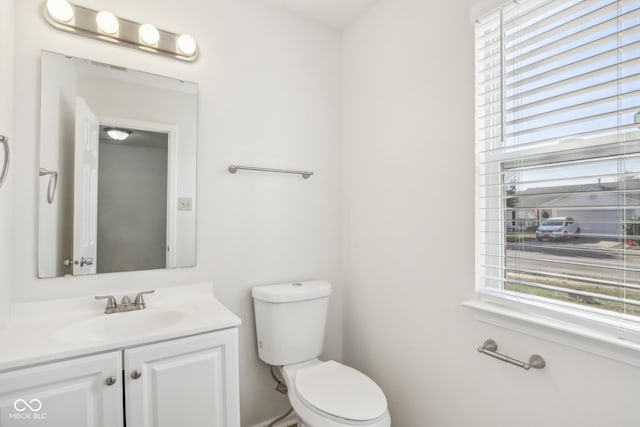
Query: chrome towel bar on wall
{"points": [[490, 348], [236, 168], [5, 167]]}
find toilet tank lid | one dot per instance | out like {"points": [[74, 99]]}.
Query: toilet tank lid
{"points": [[294, 291]]}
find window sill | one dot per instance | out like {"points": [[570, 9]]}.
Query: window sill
{"points": [[605, 340]]}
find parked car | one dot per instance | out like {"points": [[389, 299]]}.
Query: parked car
{"points": [[557, 228]]}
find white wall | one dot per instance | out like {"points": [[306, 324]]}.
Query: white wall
{"points": [[269, 95], [408, 186], [6, 114]]}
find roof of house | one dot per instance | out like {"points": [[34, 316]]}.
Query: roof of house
{"points": [[602, 195]]}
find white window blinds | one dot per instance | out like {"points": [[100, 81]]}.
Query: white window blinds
{"points": [[558, 152]]}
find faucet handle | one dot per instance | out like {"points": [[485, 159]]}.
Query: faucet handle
{"points": [[139, 301], [111, 303]]}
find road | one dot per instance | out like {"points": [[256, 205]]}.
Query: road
{"points": [[597, 258]]}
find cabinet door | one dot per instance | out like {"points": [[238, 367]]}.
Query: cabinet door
{"points": [[188, 382], [74, 393]]}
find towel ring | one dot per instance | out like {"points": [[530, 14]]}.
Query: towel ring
{"points": [[53, 183], [7, 154]]}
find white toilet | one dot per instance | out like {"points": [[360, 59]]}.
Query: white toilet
{"points": [[290, 326]]}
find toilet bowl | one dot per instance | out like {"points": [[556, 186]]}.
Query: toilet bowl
{"points": [[330, 394], [290, 326]]}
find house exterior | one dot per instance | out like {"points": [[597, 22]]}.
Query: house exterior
{"points": [[599, 209]]}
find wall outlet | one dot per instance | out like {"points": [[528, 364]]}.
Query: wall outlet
{"points": [[185, 203]]}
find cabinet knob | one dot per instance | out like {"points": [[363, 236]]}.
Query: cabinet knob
{"points": [[136, 374], [111, 380]]}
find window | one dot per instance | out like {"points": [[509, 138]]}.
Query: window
{"points": [[558, 156]]}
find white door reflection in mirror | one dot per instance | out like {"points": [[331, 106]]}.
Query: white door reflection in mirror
{"points": [[85, 194]]}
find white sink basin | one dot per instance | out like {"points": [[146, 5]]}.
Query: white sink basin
{"points": [[118, 326]]}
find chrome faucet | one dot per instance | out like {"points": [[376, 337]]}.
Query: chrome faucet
{"points": [[125, 304]]}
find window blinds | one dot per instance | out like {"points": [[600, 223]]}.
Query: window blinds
{"points": [[558, 136]]}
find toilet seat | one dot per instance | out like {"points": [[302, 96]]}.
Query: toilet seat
{"points": [[340, 391]]}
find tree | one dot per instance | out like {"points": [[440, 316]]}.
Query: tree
{"points": [[512, 201]]}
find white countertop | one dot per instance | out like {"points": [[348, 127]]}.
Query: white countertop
{"points": [[31, 335]]}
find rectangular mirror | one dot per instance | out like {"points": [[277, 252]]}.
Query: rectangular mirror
{"points": [[117, 169]]}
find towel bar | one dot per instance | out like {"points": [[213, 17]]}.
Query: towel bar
{"points": [[235, 168], [490, 348]]}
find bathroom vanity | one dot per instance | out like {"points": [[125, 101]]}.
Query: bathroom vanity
{"points": [[174, 363]]}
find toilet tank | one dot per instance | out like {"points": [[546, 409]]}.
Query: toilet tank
{"points": [[290, 321]]}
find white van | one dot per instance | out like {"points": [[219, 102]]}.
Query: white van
{"points": [[557, 228]]}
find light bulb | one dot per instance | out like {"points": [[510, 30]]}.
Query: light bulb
{"points": [[149, 34], [107, 22], [118, 134], [60, 10], [187, 45]]}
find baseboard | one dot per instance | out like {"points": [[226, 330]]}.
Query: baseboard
{"points": [[292, 419]]}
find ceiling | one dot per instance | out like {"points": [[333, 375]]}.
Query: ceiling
{"points": [[334, 13]]}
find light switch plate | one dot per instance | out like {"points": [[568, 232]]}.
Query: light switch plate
{"points": [[185, 203]]}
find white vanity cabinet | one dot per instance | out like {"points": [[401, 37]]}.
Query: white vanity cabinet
{"points": [[81, 392], [185, 382], [188, 382]]}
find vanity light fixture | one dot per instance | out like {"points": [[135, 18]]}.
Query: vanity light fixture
{"points": [[187, 45], [107, 22], [149, 34], [106, 26], [60, 10], [118, 134]]}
